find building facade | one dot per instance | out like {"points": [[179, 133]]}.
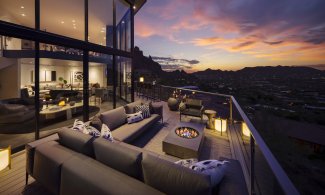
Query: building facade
{"points": [[62, 60]]}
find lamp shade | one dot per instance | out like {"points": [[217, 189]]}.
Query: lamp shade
{"points": [[220, 124], [245, 130], [5, 158], [141, 79]]}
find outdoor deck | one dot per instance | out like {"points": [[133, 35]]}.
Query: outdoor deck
{"points": [[215, 146]]}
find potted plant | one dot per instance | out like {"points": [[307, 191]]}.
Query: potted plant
{"points": [[63, 81]]}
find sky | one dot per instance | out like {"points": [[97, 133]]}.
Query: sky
{"points": [[231, 34]]}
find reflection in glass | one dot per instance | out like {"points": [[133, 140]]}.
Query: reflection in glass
{"points": [[18, 12], [63, 17], [17, 92], [100, 17]]}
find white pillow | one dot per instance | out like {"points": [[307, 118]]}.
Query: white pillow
{"points": [[106, 133], [136, 117], [80, 126], [186, 162], [215, 168]]}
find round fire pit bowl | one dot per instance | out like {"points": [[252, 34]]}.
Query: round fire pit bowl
{"points": [[186, 132]]}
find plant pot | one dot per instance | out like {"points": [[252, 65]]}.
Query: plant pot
{"points": [[173, 104]]}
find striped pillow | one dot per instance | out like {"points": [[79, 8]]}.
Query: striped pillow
{"points": [[144, 109]]}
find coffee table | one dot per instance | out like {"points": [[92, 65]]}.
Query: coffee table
{"points": [[183, 147], [53, 110]]}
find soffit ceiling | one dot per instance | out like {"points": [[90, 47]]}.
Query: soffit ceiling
{"points": [[64, 17]]}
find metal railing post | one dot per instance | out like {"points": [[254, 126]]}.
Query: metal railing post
{"points": [[230, 110], [252, 165]]}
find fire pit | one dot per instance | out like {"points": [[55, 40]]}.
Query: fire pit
{"points": [[186, 132]]}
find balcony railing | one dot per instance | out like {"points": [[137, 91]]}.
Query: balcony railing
{"points": [[263, 173]]}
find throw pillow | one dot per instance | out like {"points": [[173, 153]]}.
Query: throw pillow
{"points": [[96, 122], [186, 162], [133, 118], [106, 133], [144, 109], [80, 126], [214, 168]]}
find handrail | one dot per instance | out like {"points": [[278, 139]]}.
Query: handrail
{"points": [[278, 171], [282, 178], [192, 90]]}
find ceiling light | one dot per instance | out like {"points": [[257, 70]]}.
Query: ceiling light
{"points": [[23, 15], [122, 22], [62, 22], [102, 31], [73, 21], [22, 7], [134, 7], [104, 38], [74, 27]]}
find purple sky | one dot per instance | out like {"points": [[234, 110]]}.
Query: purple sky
{"points": [[231, 34]]}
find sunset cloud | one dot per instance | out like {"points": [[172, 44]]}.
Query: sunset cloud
{"points": [[276, 31]]}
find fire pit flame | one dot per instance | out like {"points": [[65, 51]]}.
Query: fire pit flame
{"points": [[186, 132]]}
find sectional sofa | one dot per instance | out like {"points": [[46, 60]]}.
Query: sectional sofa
{"points": [[71, 162]]}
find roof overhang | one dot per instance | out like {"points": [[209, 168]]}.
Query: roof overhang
{"points": [[136, 4]]}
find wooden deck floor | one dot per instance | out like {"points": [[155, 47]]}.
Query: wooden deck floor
{"points": [[215, 146]]}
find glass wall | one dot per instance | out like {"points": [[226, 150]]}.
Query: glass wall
{"points": [[17, 102], [123, 22], [124, 78], [63, 17], [61, 90], [100, 82], [61, 68], [18, 12], [100, 22]]}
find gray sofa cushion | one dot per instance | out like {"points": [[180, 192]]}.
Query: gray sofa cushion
{"points": [[119, 157], [30, 150], [128, 132], [114, 118], [76, 141], [233, 182], [47, 164], [93, 177], [173, 179], [130, 108]]}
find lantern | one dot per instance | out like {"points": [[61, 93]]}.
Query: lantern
{"points": [[5, 158]]}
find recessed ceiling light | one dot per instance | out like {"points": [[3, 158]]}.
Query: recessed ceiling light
{"points": [[73, 21], [134, 7], [102, 31], [62, 22], [74, 27], [23, 15], [104, 38], [22, 7]]}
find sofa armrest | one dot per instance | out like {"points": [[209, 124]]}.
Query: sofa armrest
{"points": [[30, 151], [158, 109]]}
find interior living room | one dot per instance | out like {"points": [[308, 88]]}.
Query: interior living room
{"points": [[74, 119]]}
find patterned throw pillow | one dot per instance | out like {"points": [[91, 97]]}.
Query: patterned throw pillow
{"points": [[144, 109], [80, 126], [133, 118], [106, 133], [215, 168], [187, 162]]}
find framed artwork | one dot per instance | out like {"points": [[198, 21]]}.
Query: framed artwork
{"points": [[78, 76]]}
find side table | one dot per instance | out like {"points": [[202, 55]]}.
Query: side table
{"points": [[210, 114]]}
